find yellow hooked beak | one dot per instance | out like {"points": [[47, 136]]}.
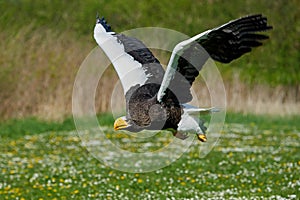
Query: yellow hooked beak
{"points": [[120, 123]]}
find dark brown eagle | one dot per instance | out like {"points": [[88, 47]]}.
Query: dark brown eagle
{"points": [[157, 99]]}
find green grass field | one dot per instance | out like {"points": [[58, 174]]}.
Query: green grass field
{"points": [[257, 157], [43, 45]]}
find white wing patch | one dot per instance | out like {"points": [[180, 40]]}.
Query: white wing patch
{"points": [[130, 71], [172, 65], [189, 123], [190, 118], [193, 110]]}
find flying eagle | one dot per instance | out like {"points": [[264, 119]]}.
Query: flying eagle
{"points": [[157, 99]]}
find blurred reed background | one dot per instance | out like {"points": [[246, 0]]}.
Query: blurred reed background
{"points": [[43, 44]]}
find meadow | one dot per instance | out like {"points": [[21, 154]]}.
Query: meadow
{"points": [[43, 44], [257, 157]]}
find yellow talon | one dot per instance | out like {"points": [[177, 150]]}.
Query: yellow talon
{"points": [[202, 137]]}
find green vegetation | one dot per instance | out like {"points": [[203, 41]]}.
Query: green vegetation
{"points": [[256, 157], [15, 128], [281, 53], [44, 43], [19, 127], [263, 121]]}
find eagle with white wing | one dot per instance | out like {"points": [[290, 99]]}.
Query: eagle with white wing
{"points": [[157, 99]]}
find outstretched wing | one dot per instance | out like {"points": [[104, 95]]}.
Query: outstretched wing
{"points": [[235, 38], [132, 60], [223, 44]]}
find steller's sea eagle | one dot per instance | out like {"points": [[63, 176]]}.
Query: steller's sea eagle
{"points": [[157, 99]]}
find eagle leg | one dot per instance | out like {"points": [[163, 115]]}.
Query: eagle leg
{"points": [[201, 134], [202, 137]]}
